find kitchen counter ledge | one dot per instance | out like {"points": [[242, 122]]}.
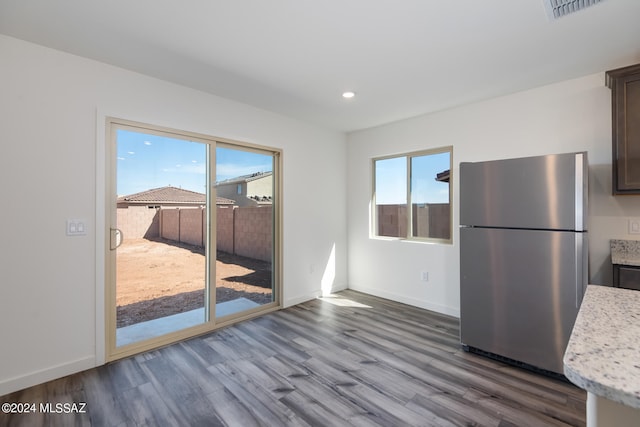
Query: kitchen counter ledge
{"points": [[625, 252], [603, 354]]}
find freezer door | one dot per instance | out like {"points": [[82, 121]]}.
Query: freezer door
{"points": [[543, 192], [520, 291]]}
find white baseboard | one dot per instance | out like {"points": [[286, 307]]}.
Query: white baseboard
{"points": [[313, 295], [18, 383], [300, 299], [339, 288], [442, 309]]}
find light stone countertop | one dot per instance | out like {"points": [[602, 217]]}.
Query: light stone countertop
{"points": [[625, 252], [603, 354]]}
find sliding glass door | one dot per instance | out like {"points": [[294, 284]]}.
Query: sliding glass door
{"points": [[245, 229], [192, 235]]}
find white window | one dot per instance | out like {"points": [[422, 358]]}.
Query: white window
{"points": [[412, 195]]}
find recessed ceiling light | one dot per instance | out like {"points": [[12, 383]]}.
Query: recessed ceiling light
{"points": [[348, 95]]}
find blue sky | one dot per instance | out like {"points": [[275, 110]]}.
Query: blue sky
{"points": [[391, 179], [148, 161]]}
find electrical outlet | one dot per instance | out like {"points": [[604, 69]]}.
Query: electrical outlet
{"points": [[634, 226], [425, 276]]}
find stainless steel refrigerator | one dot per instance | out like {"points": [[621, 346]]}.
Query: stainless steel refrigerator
{"points": [[523, 256]]}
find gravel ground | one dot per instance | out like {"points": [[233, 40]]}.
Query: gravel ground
{"points": [[161, 278]]}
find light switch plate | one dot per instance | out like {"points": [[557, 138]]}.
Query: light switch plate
{"points": [[634, 226], [76, 227]]}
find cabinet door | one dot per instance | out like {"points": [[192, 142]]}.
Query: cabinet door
{"points": [[625, 92], [629, 278]]}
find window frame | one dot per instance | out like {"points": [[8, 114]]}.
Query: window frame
{"points": [[374, 229]]}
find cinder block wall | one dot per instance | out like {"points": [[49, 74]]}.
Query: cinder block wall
{"points": [[440, 220], [224, 228], [138, 222], [191, 231], [430, 220], [254, 232], [392, 220], [245, 231], [170, 224]]}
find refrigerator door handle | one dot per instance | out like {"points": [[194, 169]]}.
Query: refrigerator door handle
{"points": [[578, 289], [579, 192], [581, 267]]}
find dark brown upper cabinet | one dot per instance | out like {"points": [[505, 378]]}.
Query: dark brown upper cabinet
{"points": [[625, 95]]}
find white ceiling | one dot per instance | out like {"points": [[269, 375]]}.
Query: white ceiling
{"points": [[402, 57]]}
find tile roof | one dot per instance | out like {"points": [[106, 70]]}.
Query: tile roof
{"points": [[170, 194], [245, 178]]}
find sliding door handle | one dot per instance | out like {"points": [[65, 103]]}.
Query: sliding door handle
{"points": [[116, 238]]}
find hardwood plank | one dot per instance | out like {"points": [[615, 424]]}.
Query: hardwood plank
{"points": [[380, 408], [512, 391], [231, 410], [392, 383], [454, 409], [126, 374], [98, 388], [310, 410], [256, 373], [373, 362], [183, 399], [264, 407], [315, 388], [145, 407], [520, 415], [193, 369]]}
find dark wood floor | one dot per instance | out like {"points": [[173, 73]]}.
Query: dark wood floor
{"points": [[374, 363]]}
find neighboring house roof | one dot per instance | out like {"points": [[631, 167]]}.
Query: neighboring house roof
{"points": [[245, 178], [170, 195], [443, 176], [262, 200]]}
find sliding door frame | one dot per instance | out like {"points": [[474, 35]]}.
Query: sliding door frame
{"points": [[112, 351]]}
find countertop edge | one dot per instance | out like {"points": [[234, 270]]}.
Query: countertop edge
{"points": [[601, 390], [625, 252], [579, 369]]}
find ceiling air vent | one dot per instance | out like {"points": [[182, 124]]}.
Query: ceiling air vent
{"points": [[558, 8]]}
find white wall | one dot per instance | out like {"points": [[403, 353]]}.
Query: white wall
{"points": [[569, 116], [51, 169]]}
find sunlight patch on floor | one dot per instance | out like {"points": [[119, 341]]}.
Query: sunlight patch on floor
{"points": [[343, 302]]}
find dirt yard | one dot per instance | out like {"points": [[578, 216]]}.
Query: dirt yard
{"points": [[160, 278]]}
